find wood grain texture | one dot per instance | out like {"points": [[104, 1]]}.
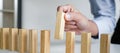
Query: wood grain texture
{"points": [[0, 39], [22, 40], [33, 41], [70, 41], [45, 41], [60, 24], [4, 38], [104, 43], [85, 42], [13, 39]]}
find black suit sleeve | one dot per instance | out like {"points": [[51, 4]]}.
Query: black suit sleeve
{"points": [[116, 35]]}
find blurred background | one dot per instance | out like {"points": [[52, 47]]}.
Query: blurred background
{"points": [[39, 14]]}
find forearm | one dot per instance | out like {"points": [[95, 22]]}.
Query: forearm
{"points": [[92, 27], [104, 15]]}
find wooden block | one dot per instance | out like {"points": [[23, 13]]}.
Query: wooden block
{"points": [[13, 38], [85, 42], [60, 24], [33, 41], [104, 43], [45, 41], [70, 37], [0, 39], [4, 38], [22, 40]]}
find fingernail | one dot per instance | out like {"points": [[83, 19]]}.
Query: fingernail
{"points": [[67, 16]]}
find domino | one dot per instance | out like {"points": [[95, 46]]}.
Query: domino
{"points": [[104, 43], [70, 37], [33, 41], [13, 39], [45, 41], [85, 42], [4, 35], [60, 24], [22, 40], [0, 39]]}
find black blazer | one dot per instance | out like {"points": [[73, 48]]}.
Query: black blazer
{"points": [[116, 35]]}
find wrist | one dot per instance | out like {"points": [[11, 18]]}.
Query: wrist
{"points": [[92, 27]]}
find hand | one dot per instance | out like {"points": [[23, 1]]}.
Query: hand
{"points": [[75, 21]]}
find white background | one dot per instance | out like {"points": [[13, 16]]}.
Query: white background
{"points": [[41, 14], [1, 13]]}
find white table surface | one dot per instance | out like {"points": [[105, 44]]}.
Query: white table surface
{"points": [[59, 47]]}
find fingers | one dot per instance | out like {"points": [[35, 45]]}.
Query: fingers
{"points": [[65, 8], [70, 12], [76, 30], [70, 27], [70, 23]]}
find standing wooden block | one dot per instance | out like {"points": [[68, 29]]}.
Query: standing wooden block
{"points": [[33, 41], [104, 43], [60, 24], [45, 41], [13, 38], [4, 38], [85, 42], [0, 39], [70, 37], [22, 40]]}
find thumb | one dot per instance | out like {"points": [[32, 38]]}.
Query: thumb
{"points": [[73, 16], [68, 17]]}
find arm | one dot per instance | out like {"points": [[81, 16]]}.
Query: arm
{"points": [[104, 18], [104, 15]]}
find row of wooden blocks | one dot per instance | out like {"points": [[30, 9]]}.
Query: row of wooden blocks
{"points": [[14, 39], [85, 41]]}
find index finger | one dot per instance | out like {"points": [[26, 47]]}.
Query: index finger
{"points": [[65, 8]]}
